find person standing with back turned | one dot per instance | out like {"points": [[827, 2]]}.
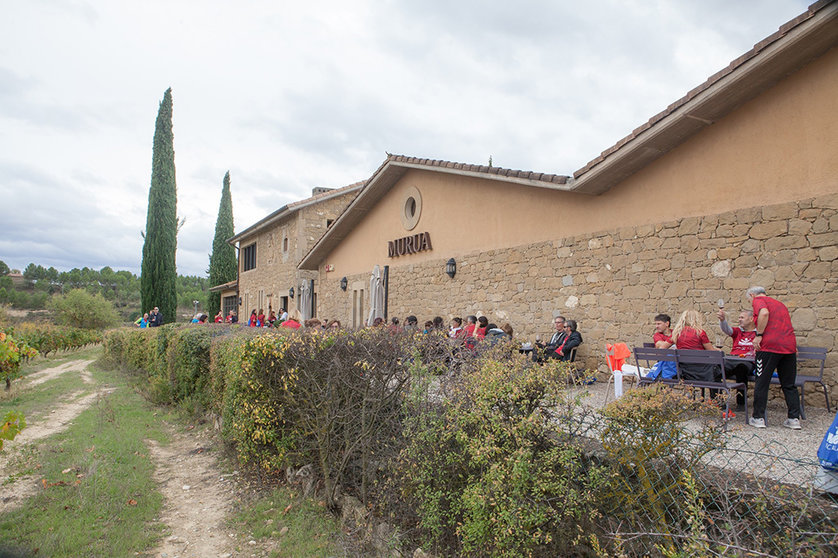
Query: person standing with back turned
{"points": [[776, 349]]}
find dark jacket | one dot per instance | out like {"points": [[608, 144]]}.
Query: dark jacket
{"points": [[573, 340], [157, 319], [552, 345], [496, 334]]}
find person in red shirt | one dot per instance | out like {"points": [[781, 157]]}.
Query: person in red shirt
{"points": [[689, 334], [471, 325], [293, 322], [743, 346], [480, 331], [663, 332], [571, 340], [776, 349]]}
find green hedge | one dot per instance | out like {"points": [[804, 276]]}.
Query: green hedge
{"points": [[473, 453], [286, 399]]}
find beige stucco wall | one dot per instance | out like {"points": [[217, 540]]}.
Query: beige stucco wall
{"points": [[778, 147]]}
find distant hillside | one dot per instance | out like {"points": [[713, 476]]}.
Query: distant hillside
{"points": [[31, 289]]}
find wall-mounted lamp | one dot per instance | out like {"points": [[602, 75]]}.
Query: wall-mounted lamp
{"points": [[240, 301], [343, 283], [291, 292], [451, 268]]}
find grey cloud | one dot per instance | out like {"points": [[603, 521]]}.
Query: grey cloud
{"points": [[18, 101], [62, 224]]}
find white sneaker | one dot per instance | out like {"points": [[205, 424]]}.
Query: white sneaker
{"points": [[794, 424], [758, 422]]}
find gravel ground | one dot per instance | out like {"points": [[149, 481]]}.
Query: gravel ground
{"points": [[774, 452]]}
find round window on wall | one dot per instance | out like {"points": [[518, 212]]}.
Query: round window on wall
{"points": [[412, 208]]}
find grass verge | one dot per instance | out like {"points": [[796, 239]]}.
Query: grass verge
{"points": [[290, 525], [95, 490], [95, 496]]}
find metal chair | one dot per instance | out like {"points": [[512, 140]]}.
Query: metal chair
{"points": [[609, 358], [809, 353]]}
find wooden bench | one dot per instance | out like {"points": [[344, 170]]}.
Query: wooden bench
{"points": [[683, 357]]}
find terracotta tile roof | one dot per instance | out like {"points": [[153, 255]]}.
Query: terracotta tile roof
{"points": [[486, 169], [712, 80], [224, 286]]}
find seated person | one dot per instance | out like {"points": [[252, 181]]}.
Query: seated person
{"points": [[556, 340], [394, 327], [495, 334], [663, 332], [471, 325], [743, 346], [293, 322], [482, 327], [689, 334], [455, 331], [662, 339], [572, 340]]}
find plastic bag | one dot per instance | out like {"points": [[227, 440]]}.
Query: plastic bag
{"points": [[664, 369], [828, 451]]}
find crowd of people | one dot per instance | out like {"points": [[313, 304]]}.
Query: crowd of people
{"points": [[763, 340], [476, 328]]}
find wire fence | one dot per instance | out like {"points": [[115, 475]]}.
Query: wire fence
{"points": [[699, 491], [752, 500]]}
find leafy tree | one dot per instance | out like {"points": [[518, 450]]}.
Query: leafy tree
{"points": [[79, 308], [189, 288], [223, 264], [4, 269], [159, 273]]}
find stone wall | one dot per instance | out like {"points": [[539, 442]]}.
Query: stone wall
{"points": [[276, 267], [614, 282]]}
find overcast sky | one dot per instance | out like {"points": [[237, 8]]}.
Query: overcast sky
{"points": [[288, 96]]}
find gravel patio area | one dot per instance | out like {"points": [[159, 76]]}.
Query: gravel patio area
{"points": [[773, 452]]}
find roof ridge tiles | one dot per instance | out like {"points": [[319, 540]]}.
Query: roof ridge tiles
{"points": [[552, 178]]}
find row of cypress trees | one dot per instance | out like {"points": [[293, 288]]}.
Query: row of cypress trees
{"points": [[158, 280]]}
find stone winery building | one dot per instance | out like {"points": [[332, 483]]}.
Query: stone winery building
{"points": [[269, 251], [733, 185]]}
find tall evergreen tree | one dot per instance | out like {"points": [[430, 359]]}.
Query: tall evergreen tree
{"points": [[158, 282], [223, 264]]}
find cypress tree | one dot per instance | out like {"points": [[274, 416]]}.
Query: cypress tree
{"points": [[223, 264], [158, 282]]}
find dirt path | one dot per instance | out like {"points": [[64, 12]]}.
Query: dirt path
{"points": [[47, 374], [58, 420], [197, 497]]}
